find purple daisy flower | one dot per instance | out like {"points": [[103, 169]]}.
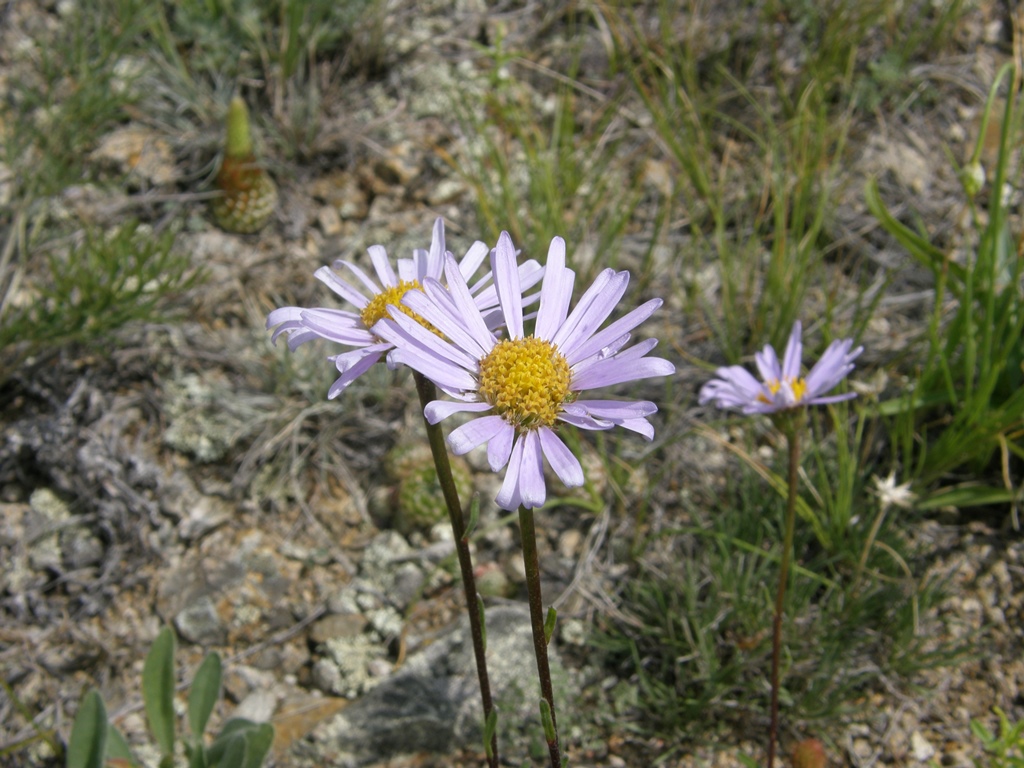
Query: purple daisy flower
{"points": [[782, 387], [521, 386], [352, 329]]}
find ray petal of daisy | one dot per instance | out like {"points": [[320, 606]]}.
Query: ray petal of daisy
{"points": [[375, 298], [783, 387], [525, 383]]}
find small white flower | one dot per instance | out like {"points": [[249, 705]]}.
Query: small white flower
{"points": [[892, 495]]}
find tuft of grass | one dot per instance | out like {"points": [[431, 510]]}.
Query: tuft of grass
{"points": [[698, 645], [1005, 750], [963, 416], [564, 166], [96, 286], [756, 182], [80, 89], [287, 51]]}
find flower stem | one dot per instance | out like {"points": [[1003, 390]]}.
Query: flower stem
{"points": [[540, 642], [793, 441], [428, 393]]}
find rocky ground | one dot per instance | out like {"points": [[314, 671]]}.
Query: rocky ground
{"points": [[190, 474]]}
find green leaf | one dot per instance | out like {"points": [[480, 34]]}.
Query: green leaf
{"points": [[158, 690], [925, 252], [229, 752], [258, 742], [547, 720], [549, 624], [490, 726], [257, 738], [483, 621], [197, 755], [474, 517], [966, 495], [982, 733], [88, 744], [204, 694], [118, 749]]}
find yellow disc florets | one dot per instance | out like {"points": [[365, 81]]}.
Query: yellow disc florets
{"points": [[377, 309], [527, 381], [798, 386]]}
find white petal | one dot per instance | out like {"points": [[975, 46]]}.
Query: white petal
{"points": [[640, 426], [794, 351], [617, 410], [561, 459], [371, 286], [435, 257], [475, 433], [382, 265], [465, 306], [499, 449], [768, 364], [616, 330], [407, 270], [329, 278], [429, 340], [474, 257], [508, 497], [439, 410], [350, 373], [586, 300], [597, 306], [532, 490], [506, 280], [608, 372], [555, 293], [337, 325], [436, 315]]}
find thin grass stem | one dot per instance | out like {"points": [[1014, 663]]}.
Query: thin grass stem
{"points": [[540, 643], [793, 441], [427, 393]]}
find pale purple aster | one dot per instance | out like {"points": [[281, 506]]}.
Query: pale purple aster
{"points": [[520, 387], [371, 299], [782, 387]]}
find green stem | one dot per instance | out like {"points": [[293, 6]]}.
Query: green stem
{"points": [[793, 441], [540, 645], [428, 393]]}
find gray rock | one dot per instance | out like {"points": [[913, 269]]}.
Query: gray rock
{"points": [[352, 657], [48, 513], [337, 625], [258, 706], [199, 622], [80, 548], [327, 676], [433, 704], [408, 584]]}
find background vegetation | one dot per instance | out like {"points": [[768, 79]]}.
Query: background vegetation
{"points": [[717, 153]]}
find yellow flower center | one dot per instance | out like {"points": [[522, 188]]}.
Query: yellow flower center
{"points": [[377, 309], [527, 382], [798, 387]]}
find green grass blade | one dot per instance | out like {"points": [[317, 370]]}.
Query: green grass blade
{"points": [[118, 749], [204, 694], [925, 252], [88, 744], [158, 690], [258, 742], [966, 495]]}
